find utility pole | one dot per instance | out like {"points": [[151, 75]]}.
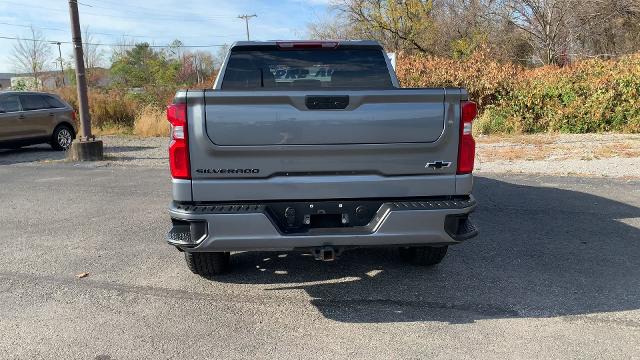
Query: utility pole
{"points": [[88, 148], [60, 58], [246, 21]]}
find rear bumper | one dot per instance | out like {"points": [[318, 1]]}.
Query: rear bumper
{"points": [[206, 228], [280, 188]]}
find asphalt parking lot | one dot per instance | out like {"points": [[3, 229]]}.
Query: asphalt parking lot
{"points": [[555, 273]]}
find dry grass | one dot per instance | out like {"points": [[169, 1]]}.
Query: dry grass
{"points": [[510, 153], [619, 149], [111, 129], [558, 147], [151, 121], [533, 139], [109, 109]]}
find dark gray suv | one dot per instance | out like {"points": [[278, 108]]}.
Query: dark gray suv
{"points": [[28, 118]]}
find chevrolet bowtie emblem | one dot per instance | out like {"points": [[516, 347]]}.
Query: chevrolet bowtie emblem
{"points": [[438, 164]]}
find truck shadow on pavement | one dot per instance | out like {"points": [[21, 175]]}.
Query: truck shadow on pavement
{"points": [[542, 252]]}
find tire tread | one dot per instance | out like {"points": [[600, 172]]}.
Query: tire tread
{"points": [[208, 264]]}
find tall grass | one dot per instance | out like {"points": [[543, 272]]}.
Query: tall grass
{"points": [[115, 111], [151, 121], [107, 108]]}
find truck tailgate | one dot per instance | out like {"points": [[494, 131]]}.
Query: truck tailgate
{"points": [[242, 118], [380, 144]]}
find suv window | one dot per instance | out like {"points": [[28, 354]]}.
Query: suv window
{"points": [[9, 103], [32, 102], [306, 69], [53, 102]]}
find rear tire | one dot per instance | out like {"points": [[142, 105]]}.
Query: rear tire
{"points": [[208, 264], [423, 255], [62, 138]]}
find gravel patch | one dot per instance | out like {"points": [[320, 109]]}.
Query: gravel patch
{"points": [[605, 155], [134, 151], [120, 151], [611, 167]]}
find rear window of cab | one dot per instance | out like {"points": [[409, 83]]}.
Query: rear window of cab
{"points": [[306, 69]]}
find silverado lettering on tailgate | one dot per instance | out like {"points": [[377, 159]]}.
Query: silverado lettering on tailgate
{"points": [[227, 171]]}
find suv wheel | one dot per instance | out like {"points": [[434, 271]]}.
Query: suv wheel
{"points": [[208, 264], [423, 255], [62, 138]]}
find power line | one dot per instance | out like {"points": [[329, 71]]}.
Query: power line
{"points": [[31, 26], [92, 3], [124, 34], [129, 6], [105, 15], [154, 17], [148, 10], [109, 34], [151, 38], [100, 44]]}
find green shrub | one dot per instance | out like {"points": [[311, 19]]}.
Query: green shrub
{"points": [[589, 96]]}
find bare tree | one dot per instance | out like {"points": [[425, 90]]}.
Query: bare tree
{"points": [[463, 17], [32, 55], [332, 27], [398, 25], [548, 23], [608, 27], [93, 54], [465, 25], [203, 65], [220, 55], [176, 50], [438, 27], [121, 47]]}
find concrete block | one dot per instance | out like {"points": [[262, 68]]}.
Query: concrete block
{"points": [[91, 150]]}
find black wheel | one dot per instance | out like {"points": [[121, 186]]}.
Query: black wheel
{"points": [[423, 255], [62, 138], [208, 264]]}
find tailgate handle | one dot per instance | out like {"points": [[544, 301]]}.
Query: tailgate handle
{"points": [[327, 102]]}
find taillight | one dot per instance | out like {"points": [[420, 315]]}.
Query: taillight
{"points": [[179, 146], [467, 147]]}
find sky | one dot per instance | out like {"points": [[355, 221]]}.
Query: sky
{"points": [[158, 22]]}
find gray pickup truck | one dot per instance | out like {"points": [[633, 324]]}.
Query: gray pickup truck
{"points": [[313, 146]]}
